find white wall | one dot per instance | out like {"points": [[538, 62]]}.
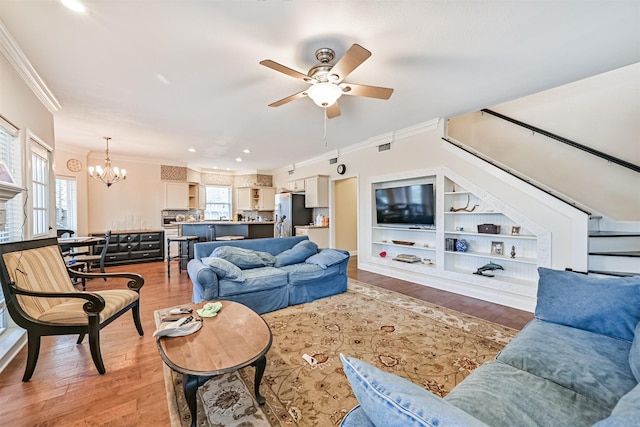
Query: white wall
{"points": [[600, 112]]}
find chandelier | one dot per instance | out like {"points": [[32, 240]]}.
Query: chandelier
{"points": [[107, 174]]}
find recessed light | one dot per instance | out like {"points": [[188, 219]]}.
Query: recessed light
{"points": [[192, 150], [238, 159], [74, 5], [246, 151]]}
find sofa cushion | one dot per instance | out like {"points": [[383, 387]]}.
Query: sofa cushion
{"points": [[302, 272], [390, 400], [255, 279], [608, 306], [593, 365], [634, 354], [503, 396], [224, 269], [326, 258], [300, 252], [626, 413], [244, 258]]}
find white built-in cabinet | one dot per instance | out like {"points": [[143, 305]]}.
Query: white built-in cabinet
{"points": [[316, 190], [296, 185], [529, 243], [176, 195], [197, 196], [256, 198]]}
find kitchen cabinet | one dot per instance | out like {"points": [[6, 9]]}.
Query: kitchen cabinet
{"points": [[256, 199], [318, 235], [316, 190], [197, 196], [244, 199], [176, 195], [266, 199], [202, 197], [297, 185]]}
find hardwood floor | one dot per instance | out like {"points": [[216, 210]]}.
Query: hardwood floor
{"points": [[66, 389]]}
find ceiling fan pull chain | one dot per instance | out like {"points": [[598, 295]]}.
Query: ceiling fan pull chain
{"points": [[324, 114]]}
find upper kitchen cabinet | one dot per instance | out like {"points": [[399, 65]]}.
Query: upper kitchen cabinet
{"points": [[266, 199], [176, 195], [197, 196], [316, 189], [256, 199], [297, 185]]}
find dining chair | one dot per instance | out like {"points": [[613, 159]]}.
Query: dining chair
{"points": [[40, 298], [97, 258]]}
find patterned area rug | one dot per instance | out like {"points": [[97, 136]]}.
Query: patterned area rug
{"points": [[429, 345]]}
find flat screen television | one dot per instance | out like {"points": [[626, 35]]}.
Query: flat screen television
{"points": [[410, 204]]}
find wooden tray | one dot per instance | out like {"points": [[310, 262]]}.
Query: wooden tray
{"points": [[402, 242]]}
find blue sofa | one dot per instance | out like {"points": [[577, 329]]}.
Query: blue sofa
{"points": [[266, 274], [576, 364]]}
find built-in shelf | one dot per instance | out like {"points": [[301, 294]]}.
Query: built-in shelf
{"points": [[458, 214]]}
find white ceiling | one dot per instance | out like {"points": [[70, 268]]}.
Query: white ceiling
{"points": [[160, 77]]}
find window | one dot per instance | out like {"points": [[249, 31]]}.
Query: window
{"points": [[40, 189], [66, 204], [11, 223], [218, 202]]}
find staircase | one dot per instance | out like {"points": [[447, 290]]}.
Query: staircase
{"points": [[614, 253]]}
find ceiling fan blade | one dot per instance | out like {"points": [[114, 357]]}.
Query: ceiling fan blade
{"points": [[289, 99], [355, 56], [368, 91], [286, 70], [333, 110]]}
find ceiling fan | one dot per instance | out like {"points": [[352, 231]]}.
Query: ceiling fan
{"points": [[327, 79]]}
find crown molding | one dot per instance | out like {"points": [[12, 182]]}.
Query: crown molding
{"points": [[23, 67]]}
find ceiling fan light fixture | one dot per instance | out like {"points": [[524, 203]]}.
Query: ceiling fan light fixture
{"points": [[324, 94]]}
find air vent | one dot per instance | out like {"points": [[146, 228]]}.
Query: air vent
{"points": [[291, 172], [333, 161], [384, 147]]}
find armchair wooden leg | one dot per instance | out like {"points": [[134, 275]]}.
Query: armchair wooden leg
{"points": [[33, 349], [80, 338], [136, 318], [94, 345]]}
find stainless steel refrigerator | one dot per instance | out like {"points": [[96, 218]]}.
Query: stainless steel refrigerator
{"points": [[290, 211]]}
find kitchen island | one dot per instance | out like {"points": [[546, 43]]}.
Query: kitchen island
{"points": [[211, 230]]}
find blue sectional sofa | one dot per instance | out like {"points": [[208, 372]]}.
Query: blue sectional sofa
{"points": [[266, 274], [576, 364]]}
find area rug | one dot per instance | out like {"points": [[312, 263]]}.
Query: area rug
{"points": [[429, 345]]}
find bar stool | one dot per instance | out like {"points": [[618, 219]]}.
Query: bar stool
{"points": [[182, 256]]}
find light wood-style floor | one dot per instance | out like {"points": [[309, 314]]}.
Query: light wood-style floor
{"points": [[66, 389]]}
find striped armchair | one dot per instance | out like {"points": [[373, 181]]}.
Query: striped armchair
{"points": [[40, 298]]}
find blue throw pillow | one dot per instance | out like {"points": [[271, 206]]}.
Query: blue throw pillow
{"points": [[634, 354], [244, 258], [224, 269], [391, 401], [326, 258], [297, 254], [606, 306]]}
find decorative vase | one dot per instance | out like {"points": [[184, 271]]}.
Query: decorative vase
{"points": [[513, 251], [462, 245]]}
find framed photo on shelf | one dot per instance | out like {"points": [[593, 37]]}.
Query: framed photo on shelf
{"points": [[497, 248], [515, 230]]}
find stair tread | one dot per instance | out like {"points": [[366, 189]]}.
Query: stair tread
{"points": [[614, 234], [631, 254], [614, 273]]}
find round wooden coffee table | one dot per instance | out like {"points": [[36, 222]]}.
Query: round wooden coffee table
{"points": [[235, 338]]}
